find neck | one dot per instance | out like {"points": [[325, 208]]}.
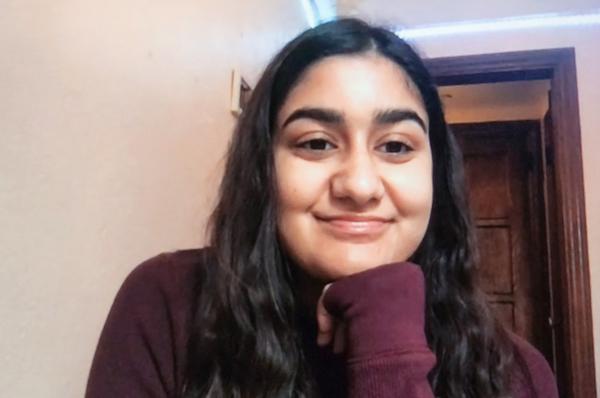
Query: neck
{"points": [[308, 291]]}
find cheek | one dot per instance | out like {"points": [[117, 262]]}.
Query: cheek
{"points": [[299, 184], [411, 189], [411, 194]]}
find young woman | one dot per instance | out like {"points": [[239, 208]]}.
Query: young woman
{"points": [[341, 254]]}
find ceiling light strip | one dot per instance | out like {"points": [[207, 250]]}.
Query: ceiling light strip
{"points": [[309, 13], [502, 24]]}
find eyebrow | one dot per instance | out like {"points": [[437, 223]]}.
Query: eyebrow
{"points": [[328, 116], [331, 116], [393, 116]]}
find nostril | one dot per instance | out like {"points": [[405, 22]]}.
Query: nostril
{"points": [[358, 190]]}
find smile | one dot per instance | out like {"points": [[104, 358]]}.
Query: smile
{"points": [[354, 227]]}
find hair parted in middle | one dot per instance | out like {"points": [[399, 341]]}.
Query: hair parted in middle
{"points": [[246, 309]]}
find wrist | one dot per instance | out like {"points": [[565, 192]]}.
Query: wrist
{"points": [[383, 309]]}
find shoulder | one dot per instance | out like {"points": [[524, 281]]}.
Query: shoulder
{"points": [[142, 346], [162, 289], [533, 376], [170, 273]]}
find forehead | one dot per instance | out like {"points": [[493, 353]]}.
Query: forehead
{"points": [[354, 84]]}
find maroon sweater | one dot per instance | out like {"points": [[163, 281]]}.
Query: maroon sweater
{"points": [[142, 348]]}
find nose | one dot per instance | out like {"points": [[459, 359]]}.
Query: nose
{"points": [[358, 180]]}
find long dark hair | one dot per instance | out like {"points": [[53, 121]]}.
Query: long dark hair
{"points": [[245, 340]]}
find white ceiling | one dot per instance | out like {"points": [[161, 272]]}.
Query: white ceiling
{"points": [[481, 102], [495, 101], [399, 14]]}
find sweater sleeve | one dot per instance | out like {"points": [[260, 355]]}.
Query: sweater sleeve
{"points": [[137, 353], [384, 311], [533, 376]]}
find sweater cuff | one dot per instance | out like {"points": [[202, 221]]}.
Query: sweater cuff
{"points": [[392, 376], [383, 308]]}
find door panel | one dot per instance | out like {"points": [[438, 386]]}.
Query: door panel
{"points": [[501, 189]]}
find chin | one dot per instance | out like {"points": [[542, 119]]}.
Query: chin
{"points": [[338, 264]]}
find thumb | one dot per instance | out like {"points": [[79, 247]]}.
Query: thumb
{"points": [[325, 321]]}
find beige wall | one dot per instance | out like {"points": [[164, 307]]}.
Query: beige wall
{"points": [[113, 119]]}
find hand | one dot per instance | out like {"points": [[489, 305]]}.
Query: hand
{"points": [[374, 311], [330, 328], [377, 319]]}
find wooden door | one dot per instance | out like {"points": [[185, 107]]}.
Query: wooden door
{"points": [[506, 200]]}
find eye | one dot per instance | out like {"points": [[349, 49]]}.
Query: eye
{"points": [[396, 147], [317, 144]]}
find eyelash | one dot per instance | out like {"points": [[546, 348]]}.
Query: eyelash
{"points": [[306, 144], [405, 148]]}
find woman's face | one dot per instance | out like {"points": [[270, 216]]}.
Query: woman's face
{"points": [[353, 167]]}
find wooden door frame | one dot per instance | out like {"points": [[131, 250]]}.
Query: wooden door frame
{"points": [[572, 304]]}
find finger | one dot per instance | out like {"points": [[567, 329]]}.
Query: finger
{"points": [[325, 322], [339, 343]]}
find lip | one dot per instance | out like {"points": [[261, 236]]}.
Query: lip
{"points": [[354, 226]]}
